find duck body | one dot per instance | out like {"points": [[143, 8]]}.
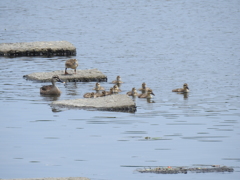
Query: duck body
{"points": [[185, 89], [117, 81], [144, 88], [116, 89], [98, 87], [147, 95], [133, 92], [51, 89], [109, 92], [89, 95], [71, 63]]}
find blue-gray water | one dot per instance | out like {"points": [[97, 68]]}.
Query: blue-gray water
{"points": [[163, 43]]}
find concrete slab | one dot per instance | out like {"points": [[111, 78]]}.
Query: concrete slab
{"points": [[85, 75], [116, 102], [40, 48]]}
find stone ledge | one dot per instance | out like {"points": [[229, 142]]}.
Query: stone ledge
{"points": [[116, 102], [40, 48], [86, 75]]}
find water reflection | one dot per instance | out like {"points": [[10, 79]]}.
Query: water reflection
{"points": [[71, 88], [50, 97]]}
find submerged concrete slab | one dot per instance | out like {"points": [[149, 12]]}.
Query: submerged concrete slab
{"points": [[40, 48], [116, 102], [85, 75]]}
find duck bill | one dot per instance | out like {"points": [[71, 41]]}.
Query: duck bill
{"points": [[152, 93], [187, 88], [59, 80]]}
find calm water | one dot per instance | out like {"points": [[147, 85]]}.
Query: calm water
{"points": [[162, 43]]}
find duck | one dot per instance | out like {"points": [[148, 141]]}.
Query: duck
{"points": [[185, 89], [117, 81], [51, 89], [89, 95], [144, 88], [71, 63], [147, 95], [116, 89], [133, 92], [104, 93], [109, 92], [98, 87]]}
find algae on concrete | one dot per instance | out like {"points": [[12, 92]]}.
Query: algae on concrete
{"points": [[85, 75]]}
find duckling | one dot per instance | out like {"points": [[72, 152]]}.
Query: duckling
{"points": [[133, 92], [147, 95], [110, 92], [71, 63], [144, 88], [117, 81], [116, 89], [185, 89], [51, 89], [98, 87], [89, 95], [104, 93]]}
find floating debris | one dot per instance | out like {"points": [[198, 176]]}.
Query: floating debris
{"points": [[185, 170]]}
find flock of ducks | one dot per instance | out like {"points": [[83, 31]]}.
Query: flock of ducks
{"points": [[100, 91]]}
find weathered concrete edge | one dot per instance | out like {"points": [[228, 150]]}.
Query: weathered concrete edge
{"points": [[121, 103], [87, 75], [39, 48], [60, 178]]}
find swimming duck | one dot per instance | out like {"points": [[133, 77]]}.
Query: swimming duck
{"points": [[144, 88], [116, 89], [51, 89], [147, 95], [133, 92], [117, 81], [185, 89], [104, 93], [89, 95], [71, 63], [98, 87]]}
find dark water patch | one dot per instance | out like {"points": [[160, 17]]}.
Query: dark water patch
{"points": [[105, 117], [43, 120], [34, 161], [163, 149], [51, 138], [231, 159], [224, 129], [206, 138], [77, 119], [202, 133], [154, 139], [79, 160]]}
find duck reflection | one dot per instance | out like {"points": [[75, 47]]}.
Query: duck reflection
{"points": [[150, 100], [50, 97], [71, 88], [185, 95]]}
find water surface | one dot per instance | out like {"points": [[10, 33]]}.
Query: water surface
{"points": [[162, 43]]}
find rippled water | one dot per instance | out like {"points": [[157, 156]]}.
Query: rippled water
{"points": [[162, 43]]}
